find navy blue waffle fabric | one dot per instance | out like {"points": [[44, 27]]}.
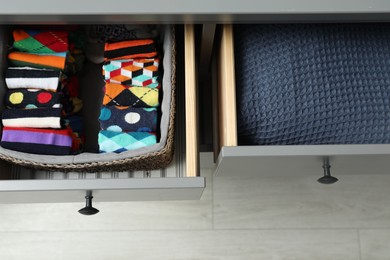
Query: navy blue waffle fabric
{"points": [[313, 83]]}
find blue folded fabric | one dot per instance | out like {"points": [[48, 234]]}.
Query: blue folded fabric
{"points": [[118, 142], [313, 83]]}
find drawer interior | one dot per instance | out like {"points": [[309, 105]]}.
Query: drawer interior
{"points": [[180, 180], [91, 93], [255, 159]]}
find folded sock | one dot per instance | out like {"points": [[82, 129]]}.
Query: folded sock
{"points": [[38, 118], [76, 56], [128, 119], [71, 105], [32, 98], [120, 32], [130, 49], [38, 60], [136, 72], [74, 63], [40, 41], [77, 143], [121, 95], [27, 77], [37, 141], [117, 142], [70, 85], [75, 122]]}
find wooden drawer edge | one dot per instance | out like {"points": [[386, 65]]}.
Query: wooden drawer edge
{"points": [[191, 114], [226, 90]]}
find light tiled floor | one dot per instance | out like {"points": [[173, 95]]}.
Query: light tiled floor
{"points": [[301, 202], [375, 244], [208, 244], [237, 218]]}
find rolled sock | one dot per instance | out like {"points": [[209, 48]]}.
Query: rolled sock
{"points": [[28, 77], [38, 60], [136, 72], [121, 95], [32, 98], [37, 141], [128, 119], [118, 142], [35, 118], [130, 49], [40, 41]]}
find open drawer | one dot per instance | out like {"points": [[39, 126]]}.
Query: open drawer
{"points": [[179, 181], [234, 160]]}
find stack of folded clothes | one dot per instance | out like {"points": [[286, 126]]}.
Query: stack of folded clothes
{"points": [[35, 120], [129, 113]]}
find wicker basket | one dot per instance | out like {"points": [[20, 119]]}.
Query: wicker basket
{"points": [[133, 160]]}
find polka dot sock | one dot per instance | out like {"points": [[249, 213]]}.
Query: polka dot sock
{"points": [[128, 119], [31, 98]]}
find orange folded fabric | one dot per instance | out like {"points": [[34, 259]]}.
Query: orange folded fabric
{"points": [[130, 49], [38, 60]]}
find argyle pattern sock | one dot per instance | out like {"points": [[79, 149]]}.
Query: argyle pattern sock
{"points": [[27, 77], [121, 95], [40, 41], [130, 50], [38, 60], [136, 72], [32, 98], [118, 142], [128, 119], [37, 141], [38, 118]]}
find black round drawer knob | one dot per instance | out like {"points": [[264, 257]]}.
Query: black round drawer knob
{"points": [[88, 209], [327, 178]]}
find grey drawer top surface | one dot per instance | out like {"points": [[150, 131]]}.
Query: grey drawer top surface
{"points": [[179, 11]]}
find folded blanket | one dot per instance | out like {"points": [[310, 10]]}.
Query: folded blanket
{"points": [[136, 72], [40, 41], [31, 98], [27, 77], [117, 142], [38, 60], [38, 118], [128, 119], [37, 141], [130, 49], [121, 95]]}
